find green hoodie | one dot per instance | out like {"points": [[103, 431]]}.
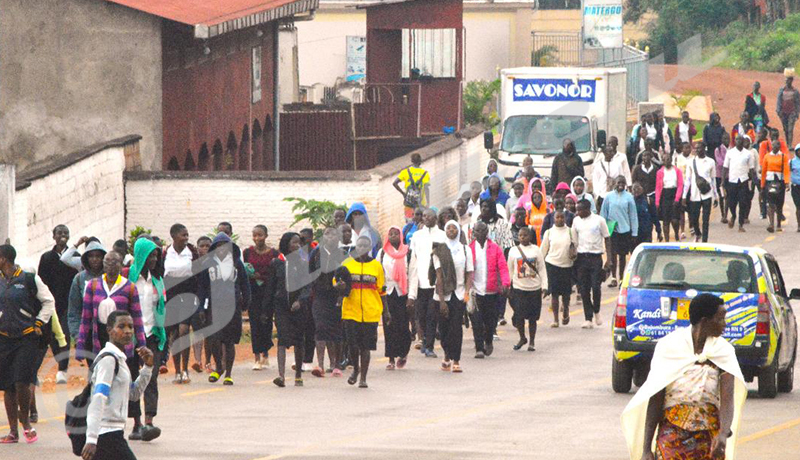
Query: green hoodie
{"points": [[141, 251]]}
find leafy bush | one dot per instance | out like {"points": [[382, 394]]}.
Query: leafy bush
{"points": [[319, 214], [478, 95], [135, 234], [769, 49]]}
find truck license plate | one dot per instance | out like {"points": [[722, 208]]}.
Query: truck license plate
{"points": [[683, 309]]}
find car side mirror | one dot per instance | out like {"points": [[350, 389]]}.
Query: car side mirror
{"points": [[488, 140], [795, 294], [601, 139]]}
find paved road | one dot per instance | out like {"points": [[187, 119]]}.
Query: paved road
{"points": [[554, 403]]}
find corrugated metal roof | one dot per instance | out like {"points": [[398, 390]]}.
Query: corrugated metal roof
{"points": [[214, 17]]}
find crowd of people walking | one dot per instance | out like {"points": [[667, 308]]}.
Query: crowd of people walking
{"points": [[506, 241]]}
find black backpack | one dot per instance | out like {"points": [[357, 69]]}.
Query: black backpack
{"points": [[77, 408]]}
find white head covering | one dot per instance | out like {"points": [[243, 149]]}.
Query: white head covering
{"points": [[454, 244]]}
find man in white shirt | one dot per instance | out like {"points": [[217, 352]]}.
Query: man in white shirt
{"points": [[420, 290], [738, 170], [474, 203], [705, 168], [112, 389], [606, 169], [590, 232]]}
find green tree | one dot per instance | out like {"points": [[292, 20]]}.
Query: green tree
{"points": [[478, 95], [319, 214]]}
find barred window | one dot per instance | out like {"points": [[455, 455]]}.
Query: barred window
{"points": [[429, 53]]}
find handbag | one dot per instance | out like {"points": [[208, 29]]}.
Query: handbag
{"points": [[702, 184], [775, 186], [413, 196]]}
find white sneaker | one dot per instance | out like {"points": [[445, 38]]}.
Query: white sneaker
{"points": [[587, 325], [257, 366], [265, 362], [597, 319], [308, 367], [61, 378]]}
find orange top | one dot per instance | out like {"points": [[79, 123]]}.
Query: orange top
{"points": [[772, 163], [766, 147]]}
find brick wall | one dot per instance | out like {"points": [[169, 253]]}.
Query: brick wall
{"points": [[156, 200], [83, 190]]}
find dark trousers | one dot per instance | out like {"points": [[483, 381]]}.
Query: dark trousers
{"points": [[260, 330], [426, 315], [397, 333], [112, 446], [451, 328], [651, 206], [788, 122], [61, 354], [695, 207], [134, 407], [309, 339], [151, 392], [484, 320], [589, 267], [739, 196]]}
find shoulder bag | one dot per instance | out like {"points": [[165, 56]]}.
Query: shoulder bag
{"points": [[702, 184]]}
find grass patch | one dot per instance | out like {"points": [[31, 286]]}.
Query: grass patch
{"points": [[700, 125]]}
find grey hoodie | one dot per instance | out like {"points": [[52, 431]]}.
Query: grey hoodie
{"points": [[76, 291]]}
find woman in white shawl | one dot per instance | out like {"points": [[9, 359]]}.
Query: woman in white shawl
{"points": [[694, 394], [454, 270]]}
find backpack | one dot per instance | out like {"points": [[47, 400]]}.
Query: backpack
{"points": [[77, 408], [413, 196]]}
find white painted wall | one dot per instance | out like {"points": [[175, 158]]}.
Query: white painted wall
{"points": [[201, 203], [7, 184], [87, 196], [322, 45]]}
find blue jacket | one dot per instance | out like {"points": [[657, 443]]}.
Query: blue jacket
{"points": [[621, 208], [643, 214], [376, 238], [502, 197]]}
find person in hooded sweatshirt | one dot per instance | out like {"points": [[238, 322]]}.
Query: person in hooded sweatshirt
{"points": [[226, 287], [578, 187], [146, 274], [92, 260], [358, 219]]}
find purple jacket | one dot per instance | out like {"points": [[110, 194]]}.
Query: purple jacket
{"points": [[496, 268], [126, 298]]}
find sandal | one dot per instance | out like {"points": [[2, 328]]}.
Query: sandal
{"points": [[213, 377], [401, 363], [446, 366], [457, 369], [163, 370], [363, 384], [279, 382], [352, 379], [185, 377], [554, 325], [318, 372], [30, 436], [10, 438], [197, 367], [771, 229], [390, 367], [520, 344], [565, 320], [531, 348], [337, 373], [179, 379], [228, 381], [298, 382]]}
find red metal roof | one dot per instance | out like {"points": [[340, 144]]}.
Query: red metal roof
{"points": [[220, 16]]}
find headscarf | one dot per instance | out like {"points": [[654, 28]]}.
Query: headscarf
{"points": [[399, 273], [536, 216], [454, 244], [526, 202], [141, 251], [573, 197], [563, 186]]}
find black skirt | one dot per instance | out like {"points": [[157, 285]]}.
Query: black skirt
{"points": [[559, 280], [327, 315], [669, 210], [527, 305]]}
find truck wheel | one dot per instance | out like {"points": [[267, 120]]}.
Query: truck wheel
{"points": [[786, 378], [640, 374], [768, 380], [621, 375]]}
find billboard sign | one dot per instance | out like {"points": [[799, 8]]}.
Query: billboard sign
{"points": [[602, 23]]}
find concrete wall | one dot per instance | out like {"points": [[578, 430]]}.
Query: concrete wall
{"points": [[90, 198], [74, 73], [248, 199]]}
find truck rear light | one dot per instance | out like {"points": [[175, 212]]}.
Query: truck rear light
{"points": [[620, 316], [762, 320]]}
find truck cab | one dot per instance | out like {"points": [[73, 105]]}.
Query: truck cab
{"points": [[540, 108]]}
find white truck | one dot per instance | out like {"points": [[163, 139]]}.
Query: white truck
{"points": [[540, 107]]}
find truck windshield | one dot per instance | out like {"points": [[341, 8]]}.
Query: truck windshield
{"points": [[545, 134]]}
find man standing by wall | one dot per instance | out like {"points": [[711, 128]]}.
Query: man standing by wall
{"points": [[58, 278]]}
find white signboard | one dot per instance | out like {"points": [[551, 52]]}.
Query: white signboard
{"points": [[256, 74], [602, 23], [356, 58]]}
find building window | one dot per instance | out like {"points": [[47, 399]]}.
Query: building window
{"points": [[256, 74], [429, 53], [558, 4]]}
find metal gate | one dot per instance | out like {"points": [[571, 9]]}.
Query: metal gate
{"points": [[566, 49]]}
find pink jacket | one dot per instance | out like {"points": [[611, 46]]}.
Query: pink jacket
{"points": [[494, 259], [660, 185]]}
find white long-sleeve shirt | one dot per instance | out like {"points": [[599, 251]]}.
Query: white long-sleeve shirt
{"points": [[707, 169], [421, 246], [108, 408], [602, 170]]}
